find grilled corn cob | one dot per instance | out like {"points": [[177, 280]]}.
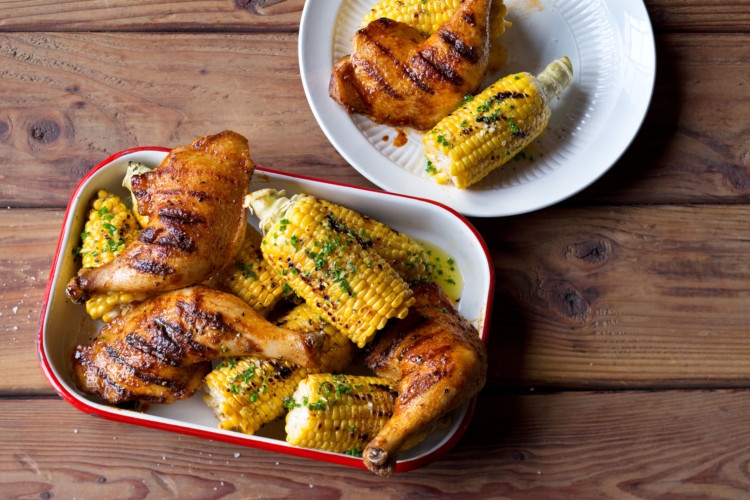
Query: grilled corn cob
{"points": [[349, 285], [246, 393], [426, 16], [250, 277], [337, 352], [407, 256], [339, 413], [492, 127], [135, 168], [110, 227]]}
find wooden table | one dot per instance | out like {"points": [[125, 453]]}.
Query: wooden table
{"points": [[620, 346]]}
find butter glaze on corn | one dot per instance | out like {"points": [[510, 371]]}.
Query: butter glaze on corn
{"points": [[247, 393], [347, 284], [492, 127], [338, 413], [426, 16]]}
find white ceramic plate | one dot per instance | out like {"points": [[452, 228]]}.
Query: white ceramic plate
{"points": [[64, 324], [611, 46]]}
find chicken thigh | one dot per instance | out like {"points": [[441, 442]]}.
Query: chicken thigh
{"points": [[196, 221], [162, 348], [396, 77], [438, 361]]}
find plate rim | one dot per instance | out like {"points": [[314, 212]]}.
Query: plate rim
{"points": [[316, 17], [187, 428]]}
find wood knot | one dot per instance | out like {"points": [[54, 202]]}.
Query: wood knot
{"points": [[44, 131], [736, 176], [569, 301], [4, 128], [593, 251]]}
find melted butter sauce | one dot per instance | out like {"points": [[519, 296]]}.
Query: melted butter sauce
{"points": [[446, 272]]}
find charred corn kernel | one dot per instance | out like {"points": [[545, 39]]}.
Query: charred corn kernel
{"points": [[426, 16], [493, 126], [339, 413], [337, 351], [135, 168], [109, 305], [247, 393], [250, 277], [349, 286], [407, 256], [110, 227]]}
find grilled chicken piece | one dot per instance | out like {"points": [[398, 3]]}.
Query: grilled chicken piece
{"points": [[396, 77], [161, 349], [439, 362], [193, 201]]}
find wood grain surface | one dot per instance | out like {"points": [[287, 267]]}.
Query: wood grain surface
{"points": [[581, 445], [619, 354]]}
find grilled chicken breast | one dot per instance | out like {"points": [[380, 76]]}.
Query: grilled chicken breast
{"points": [[196, 221], [396, 77], [162, 348], [438, 361]]}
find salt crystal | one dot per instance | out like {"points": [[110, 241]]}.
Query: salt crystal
{"points": [[15, 309], [237, 455]]}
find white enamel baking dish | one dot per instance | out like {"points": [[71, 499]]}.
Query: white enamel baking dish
{"points": [[64, 324]]}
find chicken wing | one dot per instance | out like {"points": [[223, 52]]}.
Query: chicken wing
{"points": [[396, 77], [193, 201], [439, 362], [162, 348]]}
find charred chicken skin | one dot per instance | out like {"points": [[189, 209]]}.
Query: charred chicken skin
{"points": [[162, 348], [396, 77], [439, 362], [196, 221]]}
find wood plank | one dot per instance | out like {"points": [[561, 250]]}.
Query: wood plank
{"points": [[152, 15], [95, 94], [71, 100], [284, 15], [27, 245], [595, 297], [699, 16], [693, 146], [651, 296], [673, 444]]}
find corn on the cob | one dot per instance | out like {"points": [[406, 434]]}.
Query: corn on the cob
{"points": [[247, 393], [337, 352], [110, 227], [407, 256], [108, 305], [135, 168], [251, 277], [492, 127], [349, 285], [339, 413], [426, 16]]}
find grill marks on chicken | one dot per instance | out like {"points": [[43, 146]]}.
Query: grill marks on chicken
{"points": [[438, 361], [161, 350], [396, 77], [196, 220]]}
